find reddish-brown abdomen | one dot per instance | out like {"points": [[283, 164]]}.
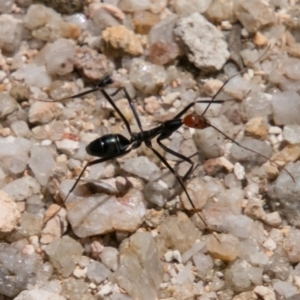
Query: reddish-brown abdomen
{"points": [[195, 121]]}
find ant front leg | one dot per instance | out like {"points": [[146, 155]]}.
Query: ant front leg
{"points": [[94, 162], [133, 109]]}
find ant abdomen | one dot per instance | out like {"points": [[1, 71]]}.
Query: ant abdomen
{"points": [[108, 145]]}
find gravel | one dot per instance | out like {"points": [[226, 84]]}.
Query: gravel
{"points": [[128, 231]]}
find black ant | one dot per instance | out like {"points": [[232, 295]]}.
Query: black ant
{"points": [[112, 146]]}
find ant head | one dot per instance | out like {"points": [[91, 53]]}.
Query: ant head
{"points": [[195, 121]]}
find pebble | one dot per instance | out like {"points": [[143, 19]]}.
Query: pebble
{"points": [[66, 7], [41, 163], [254, 15], [7, 105], [47, 25], [265, 292], [21, 129], [37, 16], [110, 258], [259, 39], [270, 244], [168, 256], [118, 40], [142, 167], [91, 63], [34, 76], [285, 106], [22, 188], [106, 289], [285, 289], [162, 53], [14, 153], [290, 68], [218, 13], [6, 7], [156, 194], [289, 153], [146, 77], [9, 214], [273, 219], [144, 21], [64, 253], [10, 33], [5, 132], [257, 105], [238, 226], [227, 249], [178, 232], [139, 266], [163, 31], [105, 15], [202, 38], [59, 57], [291, 245], [100, 213], [209, 142], [239, 171], [31, 223], [184, 8], [291, 134], [200, 192], [241, 275], [43, 112], [134, 6], [285, 192], [203, 263], [238, 154], [54, 225], [259, 259], [67, 146], [170, 98], [239, 88], [198, 246], [97, 272], [75, 289], [256, 128], [38, 294], [80, 273], [15, 278], [185, 276]]}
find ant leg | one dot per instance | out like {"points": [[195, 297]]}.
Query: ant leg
{"points": [[133, 109], [109, 99], [194, 167], [149, 145], [182, 157], [94, 162], [103, 83]]}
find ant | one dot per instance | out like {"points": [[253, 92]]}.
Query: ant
{"points": [[112, 146]]}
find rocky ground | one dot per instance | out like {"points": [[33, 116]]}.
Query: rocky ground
{"points": [[128, 231]]}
